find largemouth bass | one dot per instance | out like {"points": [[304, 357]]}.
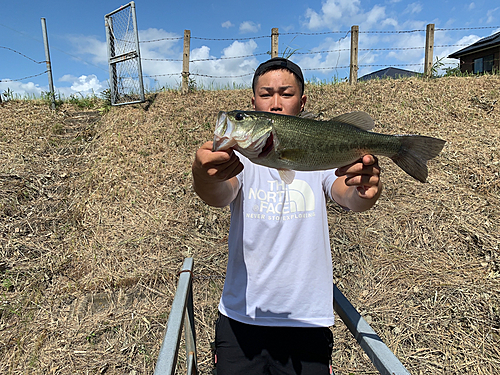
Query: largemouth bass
{"points": [[294, 143]]}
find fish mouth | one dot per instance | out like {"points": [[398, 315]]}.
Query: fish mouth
{"points": [[231, 134], [222, 135]]}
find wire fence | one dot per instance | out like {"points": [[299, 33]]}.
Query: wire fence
{"points": [[26, 57], [296, 52], [312, 54]]}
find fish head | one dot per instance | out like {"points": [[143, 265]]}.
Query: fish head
{"points": [[246, 131]]}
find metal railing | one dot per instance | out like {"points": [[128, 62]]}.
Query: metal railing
{"points": [[182, 314], [381, 356]]}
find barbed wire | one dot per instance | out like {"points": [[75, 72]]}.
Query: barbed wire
{"points": [[22, 54], [305, 69], [282, 34], [305, 53], [210, 58], [209, 76], [266, 53], [324, 33], [318, 33], [21, 79], [161, 75], [160, 40], [231, 39], [469, 28], [392, 32]]}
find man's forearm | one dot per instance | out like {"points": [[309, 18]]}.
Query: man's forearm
{"points": [[218, 194]]}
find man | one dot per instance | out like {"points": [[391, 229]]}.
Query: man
{"points": [[277, 301]]}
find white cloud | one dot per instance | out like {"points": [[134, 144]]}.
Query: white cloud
{"points": [[226, 66], [472, 6], [249, 27], [19, 89], [407, 56], [490, 15], [86, 84], [158, 49], [333, 13], [390, 22], [468, 40], [227, 24], [413, 8], [83, 85], [329, 62], [89, 46], [374, 16]]}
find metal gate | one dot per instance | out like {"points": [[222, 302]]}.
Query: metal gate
{"points": [[124, 58]]}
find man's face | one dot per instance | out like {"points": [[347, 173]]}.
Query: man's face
{"points": [[278, 91]]}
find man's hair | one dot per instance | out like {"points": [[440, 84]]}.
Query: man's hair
{"points": [[278, 63]]}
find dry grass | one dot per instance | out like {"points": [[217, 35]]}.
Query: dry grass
{"points": [[97, 215]]}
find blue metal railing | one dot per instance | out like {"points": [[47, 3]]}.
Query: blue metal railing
{"points": [[182, 314]]}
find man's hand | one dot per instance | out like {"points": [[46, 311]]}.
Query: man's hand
{"points": [[214, 175], [364, 177], [364, 174]]}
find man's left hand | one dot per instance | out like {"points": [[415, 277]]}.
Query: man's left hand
{"points": [[364, 174]]}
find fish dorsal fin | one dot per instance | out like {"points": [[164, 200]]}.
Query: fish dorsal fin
{"points": [[287, 175], [361, 120], [308, 115]]}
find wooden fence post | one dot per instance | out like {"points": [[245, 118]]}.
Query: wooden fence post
{"points": [[429, 50], [274, 42], [353, 73], [185, 61]]}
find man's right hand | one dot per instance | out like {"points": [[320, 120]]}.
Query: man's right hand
{"points": [[214, 175], [216, 166]]}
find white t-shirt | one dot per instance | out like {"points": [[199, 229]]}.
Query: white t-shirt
{"points": [[279, 270]]}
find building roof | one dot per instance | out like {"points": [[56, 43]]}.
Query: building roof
{"points": [[484, 43], [388, 73]]}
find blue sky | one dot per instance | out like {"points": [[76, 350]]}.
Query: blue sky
{"points": [[78, 42]]}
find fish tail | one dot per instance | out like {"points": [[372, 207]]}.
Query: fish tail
{"points": [[414, 153]]}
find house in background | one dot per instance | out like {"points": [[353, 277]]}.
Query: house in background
{"points": [[480, 57], [388, 73]]}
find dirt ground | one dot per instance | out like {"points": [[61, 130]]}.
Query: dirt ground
{"points": [[97, 214]]}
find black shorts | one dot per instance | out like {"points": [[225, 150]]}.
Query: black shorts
{"points": [[247, 349]]}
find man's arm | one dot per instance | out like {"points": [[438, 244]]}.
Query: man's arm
{"points": [[214, 175], [358, 185]]}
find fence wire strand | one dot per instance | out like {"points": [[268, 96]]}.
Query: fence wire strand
{"points": [[306, 53], [22, 54], [21, 79]]}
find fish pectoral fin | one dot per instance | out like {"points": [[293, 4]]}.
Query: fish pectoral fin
{"points": [[361, 120], [287, 175]]}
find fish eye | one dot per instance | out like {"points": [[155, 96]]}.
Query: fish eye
{"points": [[239, 116]]}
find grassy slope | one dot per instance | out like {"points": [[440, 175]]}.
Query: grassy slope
{"points": [[97, 215]]}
